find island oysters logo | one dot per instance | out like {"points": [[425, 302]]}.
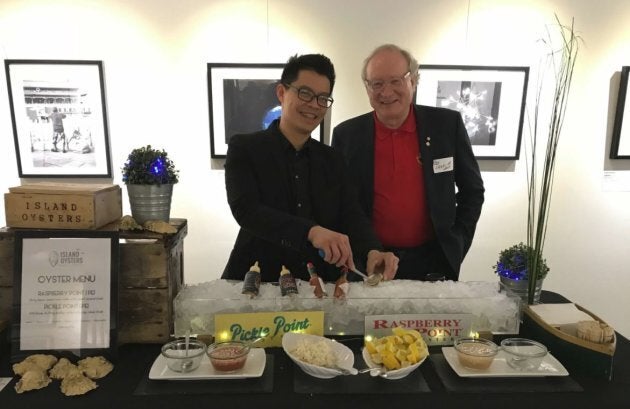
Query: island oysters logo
{"points": [[53, 258], [71, 257]]}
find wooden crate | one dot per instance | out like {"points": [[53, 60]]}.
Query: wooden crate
{"points": [[6, 275], [62, 205], [151, 275]]}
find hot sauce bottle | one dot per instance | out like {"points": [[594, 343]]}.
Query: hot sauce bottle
{"points": [[342, 286], [288, 285], [316, 281], [251, 282]]}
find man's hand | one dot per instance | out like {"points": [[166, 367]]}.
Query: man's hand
{"points": [[336, 246], [385, 263]]}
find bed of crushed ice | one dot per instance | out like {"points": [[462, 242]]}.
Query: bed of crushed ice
{"points": [[492, 310]]}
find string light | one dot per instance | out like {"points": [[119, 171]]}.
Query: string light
{"points": [[513, 274], [157, 167]]}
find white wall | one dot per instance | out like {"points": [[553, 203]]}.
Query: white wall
{"points": [[155, 54]]}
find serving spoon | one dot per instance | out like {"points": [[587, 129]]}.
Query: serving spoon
{"points": [[346, 371], [372, 280], [188, 363], [353, 371], [377, 372]]}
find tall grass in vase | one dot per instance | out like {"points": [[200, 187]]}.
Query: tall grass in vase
{"points": [[560, 61]]}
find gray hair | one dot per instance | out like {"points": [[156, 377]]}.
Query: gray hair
{"points": [[412, 63]]}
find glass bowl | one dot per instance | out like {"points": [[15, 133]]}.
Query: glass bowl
{"points": [[476, 353], [228, 356], [180, 360], [523, 354]]}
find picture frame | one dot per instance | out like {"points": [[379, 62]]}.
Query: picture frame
{"points": [[242, 99], [620, 143], [59, 118], [491, 100], [65, 293]]}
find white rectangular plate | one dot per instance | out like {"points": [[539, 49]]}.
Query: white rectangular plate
{"points": [[254, 368], [549, 366]]}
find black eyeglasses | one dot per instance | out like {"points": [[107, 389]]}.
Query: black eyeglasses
{"points": [[307, 95]]}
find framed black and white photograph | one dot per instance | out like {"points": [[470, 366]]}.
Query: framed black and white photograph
{"points": [[491, 101], [620, 145], [59, 118], [242, 99]]}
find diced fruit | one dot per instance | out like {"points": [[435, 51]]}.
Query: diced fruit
{"points": [[376, 358], [390, 361], [371, 348], [401, 355], [402, 349]]}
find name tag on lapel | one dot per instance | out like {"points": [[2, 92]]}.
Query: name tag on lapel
{"points": [[443, 165]]}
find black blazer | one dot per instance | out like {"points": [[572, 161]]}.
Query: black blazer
{"points": [[441, 134], [259, 195]]}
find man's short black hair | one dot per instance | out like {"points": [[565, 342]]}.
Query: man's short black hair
{"points": [[312, 62]]}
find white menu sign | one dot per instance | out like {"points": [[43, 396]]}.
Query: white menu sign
{"points": [[65, 293]]}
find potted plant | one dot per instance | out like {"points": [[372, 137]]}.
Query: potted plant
{"points": [[512, 269], [560, 59], [149, 175]]}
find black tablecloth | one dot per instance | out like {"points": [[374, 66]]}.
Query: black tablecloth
{"points": [[284, 385]]}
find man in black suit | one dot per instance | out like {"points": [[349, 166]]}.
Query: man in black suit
{"points": [[291, 194], [415, 169]]}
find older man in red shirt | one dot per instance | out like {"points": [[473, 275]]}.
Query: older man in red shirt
{"points": [[415, 170]]}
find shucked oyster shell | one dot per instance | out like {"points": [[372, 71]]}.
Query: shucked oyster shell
{"points": [[159, 226], [374, 279], [95, 367], [77, 384], [63, 369], [32, 380], [33, 362], [129, 223]]}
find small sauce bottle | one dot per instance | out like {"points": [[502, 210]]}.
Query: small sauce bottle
{"points": [[342, 286], [288, 285], [251, 282], [316, 281]]}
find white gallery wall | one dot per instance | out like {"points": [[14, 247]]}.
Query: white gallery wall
{"points": [[154, 54]]}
